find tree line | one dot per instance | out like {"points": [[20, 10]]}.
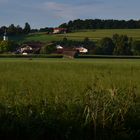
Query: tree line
{"points": [[15, 30], [115, 45], [18, 30], [74, 25], [101, 24]]}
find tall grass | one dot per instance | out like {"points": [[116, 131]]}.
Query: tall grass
{"points": [[108, 108], [69, 99]]}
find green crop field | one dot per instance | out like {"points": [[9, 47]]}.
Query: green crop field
{"points": [[63, 99], [80, 35], [98, 34]]}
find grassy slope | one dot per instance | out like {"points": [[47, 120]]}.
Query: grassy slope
{"points": [[98, 34], [80, 35]]}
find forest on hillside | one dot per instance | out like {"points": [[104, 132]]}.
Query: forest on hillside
{"points": [[101, 24]]}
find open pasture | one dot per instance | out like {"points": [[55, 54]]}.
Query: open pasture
{"points": [[101, 33]]}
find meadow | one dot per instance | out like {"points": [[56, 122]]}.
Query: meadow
{"points": [[99, 34], [79, 35], [63, 99]]}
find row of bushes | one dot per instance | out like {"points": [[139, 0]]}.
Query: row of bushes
{"points": [[61, 56], [108, 56], [31, 56]]}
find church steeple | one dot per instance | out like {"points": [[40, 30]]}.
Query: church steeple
{"points": [[5, 37]]}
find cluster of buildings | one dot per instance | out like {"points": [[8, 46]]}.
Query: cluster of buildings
{"points": [[30, 48], [35, 47], [79, 49]]}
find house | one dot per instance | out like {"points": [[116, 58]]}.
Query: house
{"points": [[30, 48], [26, 49], [70, 51], [59, 30], [24, 53], [82, 50], [59, 49]]}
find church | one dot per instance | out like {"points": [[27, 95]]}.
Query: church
{"points": [[5, 37]]}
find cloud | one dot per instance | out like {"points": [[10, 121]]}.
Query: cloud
{"points": [[91, 2], [54, 12], [90, 9], [71, 11]]}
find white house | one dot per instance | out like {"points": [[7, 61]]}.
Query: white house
{"points": [[59, 47], [82, 50], [30, 47], [24, 53]]}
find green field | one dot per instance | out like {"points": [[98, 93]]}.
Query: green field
{"points": [[98, 34], [69, 99], [80, 35]]}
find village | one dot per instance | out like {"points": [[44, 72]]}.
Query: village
{"points": [[35, 47]]}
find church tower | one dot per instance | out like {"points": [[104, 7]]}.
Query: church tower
{"points": [[5, 37]]}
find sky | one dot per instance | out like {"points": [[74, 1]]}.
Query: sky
{"points": [[52, 13]]}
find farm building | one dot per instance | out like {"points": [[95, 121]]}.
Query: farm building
{"points": [[59, 49], [59, 30], [82, 50], [31, 47], [70, 50]]}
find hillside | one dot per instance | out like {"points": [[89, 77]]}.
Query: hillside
{"points": [[79, 35]]}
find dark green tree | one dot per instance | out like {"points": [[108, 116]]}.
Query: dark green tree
{"points": [[19, 30], [107, 46], [11, 29], [86, 41], [136, 48], [65, 39], [122, 44], [27, 28]]}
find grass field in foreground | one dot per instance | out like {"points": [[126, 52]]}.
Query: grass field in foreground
{"points": [[80, 35], [77, 73], [69, 99]]}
